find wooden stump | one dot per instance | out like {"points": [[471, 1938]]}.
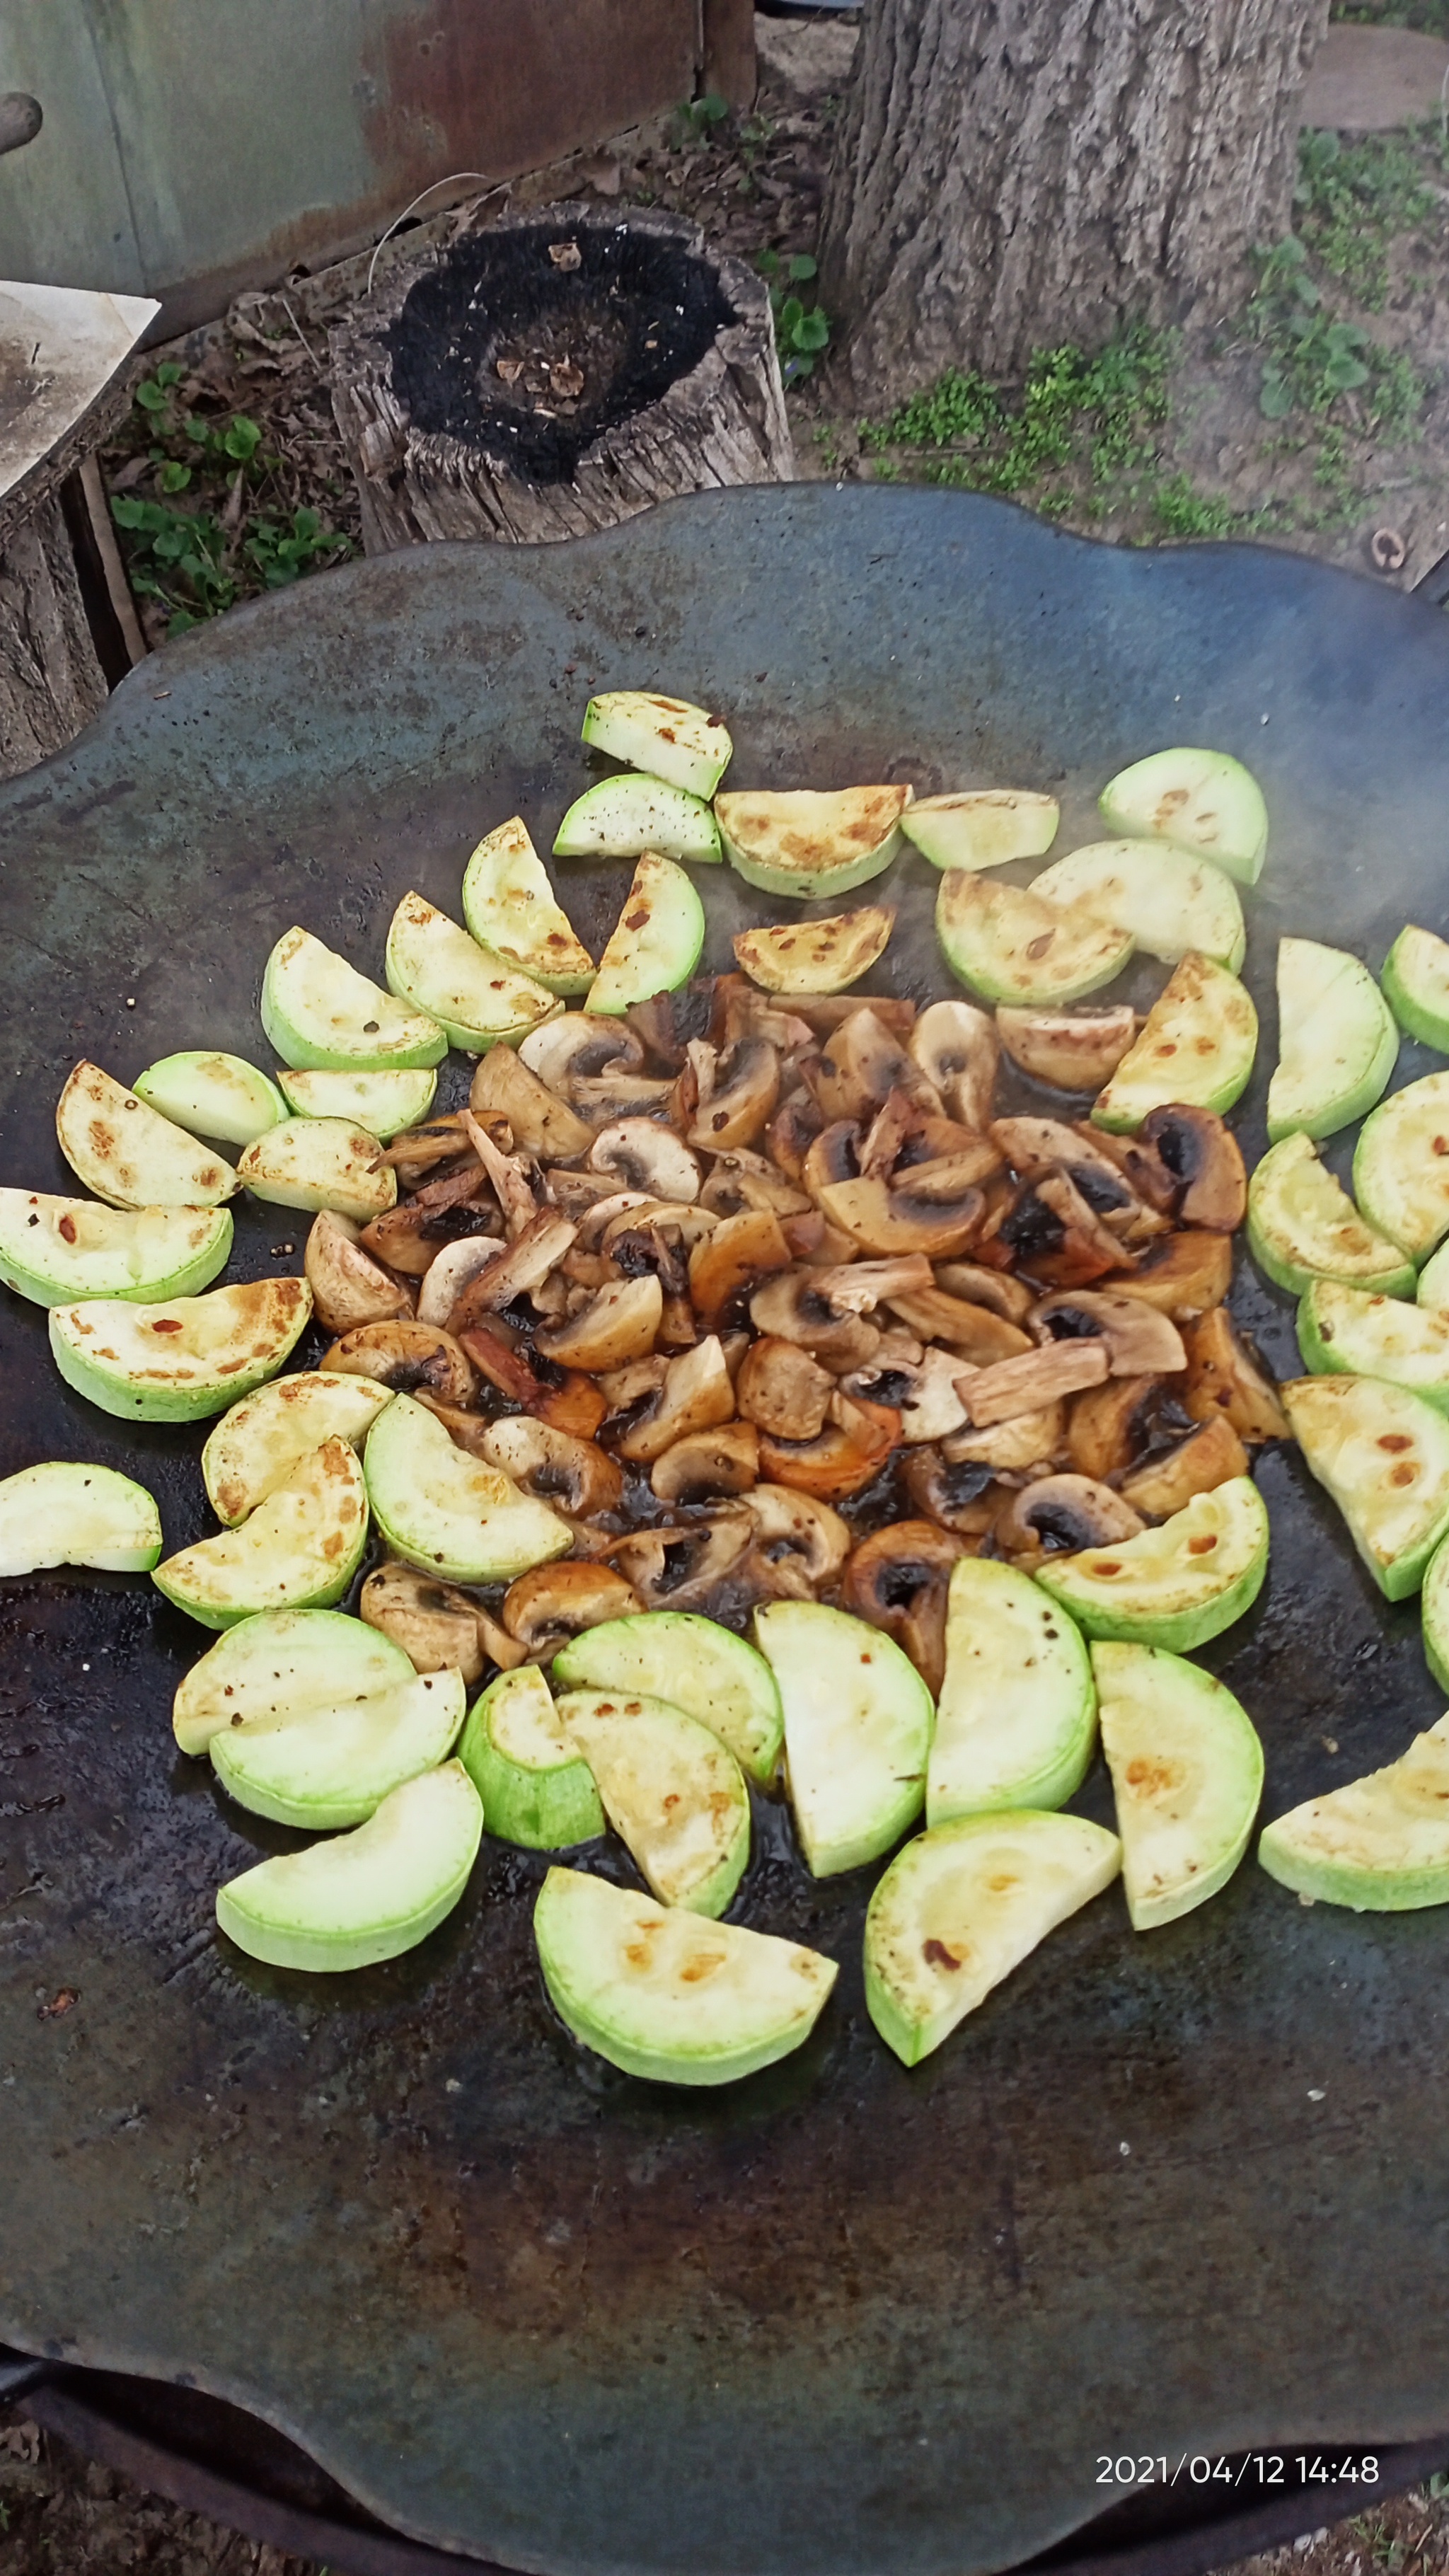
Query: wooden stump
{"points": [[553, 374]]}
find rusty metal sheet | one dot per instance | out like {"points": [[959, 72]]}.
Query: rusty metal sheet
{"points": [[1181, 2193]]}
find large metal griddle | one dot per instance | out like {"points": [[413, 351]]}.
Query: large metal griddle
{"points": [[840, 2318]]}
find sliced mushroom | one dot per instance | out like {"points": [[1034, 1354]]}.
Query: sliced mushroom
{"points": [[924, 1391], [1110, 1425], [577, 1194], [833, 1155], [974, 1333], [348, 1286], [451, 1271], [647, 1156], [898, 1580], [1005, 1296], [684, 1225], [579, 1044], [812, 1239], [1031, 1382], [843, 1458], [680, 1569], [1070, 1050], [793, 1130], [1207, 1458], [1138, 1340], [619, 1207], [1185, 1274], [653, 1024], [409, 1238], [800, 1543], [603, 1099], [1051, 1230], [1225, 1377], [515, 1269], [502, 1361], [1021, 1446], [467, 1429], [935, 1209], [542, 1123], [963, 1497], [706, 1464], [884, 1141], [1202, 1158], [575, 1475], [744, 1090], [1060, 1514], [1037, 1146], [416, 1150], [567, 1400], [406, 1357], [861, 1062], [783, 1390], [546, 1607], [793, 1308], [619, 1323], [743, 1180], [697, 1392], [957, 1049], [740, 1010], [434, 1623], [726, 1266]]}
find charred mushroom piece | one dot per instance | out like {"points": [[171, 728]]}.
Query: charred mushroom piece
{"points": [[434, 1623], [898, 1580], [783, 1390], [1036, 1146], [974, 1333], [730, 1263], [467, 1429], [1021, 1446], [503, 1362], [542, 1123], [1111, 1425], [742, 1181], [800, 1543], [451, 1271], [861, 1063], [543, 1609], [811, 1239], [514, 1270], [833, 1156], [1185, 1274], [348, 1287], [706, 1464], [1062, 1514], [957, 1049], [409, 1238], [1206, 1459], [685, 1225], [682, 1569], [604, 1099], [843, 1458], [934, 1209], [407, 1357], [1226, 1378], [697, 1393], [1031, 1382], [653, 1024], [1008, 1297], [1052, 1231], [643, 1155], [619, 1323], [745, 1089], [567, 1400], [1069, 1050], [578, 1045], [792, 1131], [1202, 1157], [924, 1392], [574, 1475], [793, 1308], [963, 1497], [575, 1194], [1138, 1340], [416, 1150]]}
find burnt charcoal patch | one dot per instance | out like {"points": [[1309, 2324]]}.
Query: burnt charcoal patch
{"points": [[531, 358]]}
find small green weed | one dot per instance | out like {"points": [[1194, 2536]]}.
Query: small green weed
{"points": [[1355, 198], [1314, 359], [185, 560], [700, 116], [1076, 420], [801, 330]]}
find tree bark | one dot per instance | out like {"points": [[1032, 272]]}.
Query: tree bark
{"points": [[51, 681], [1012, 174]]}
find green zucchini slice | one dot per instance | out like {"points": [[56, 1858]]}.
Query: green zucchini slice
{"points": [[58, 1251], [669, 1995], [1434, 1615], [670, 737], [381, 1103], [1176, 1585], [449, 1513], [671, 1792], [313, 1163], [1432, 1290], [1383, 1454], [1007, 944], [1380, 1845], [1168, 902], [323, 1017], [280, 1663], [621, 818], [1401, 1165], [816, 956], [182, 1359], [656, 942], [475, 997], [364, 1896], [212, 1095], [1302, 1227], [259, 1441], [1017, 1717], [299, 1550], [800, 842], [1196, 800], [981, 827], [962, 1906], [1196, 1046], [510, 909], [1416, 985], [325, 1768], [1337, 1041], [696, 1665], [65, 1513], [1187, 1775], [128, 1154], [536, 1788], [858, 1721], [1351, 1332]]}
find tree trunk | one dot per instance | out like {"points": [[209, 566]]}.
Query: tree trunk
{"points": [[1012, 174]]}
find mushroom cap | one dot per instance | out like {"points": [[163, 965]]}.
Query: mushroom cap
{"points": [[1207, 1458], [575, 1475], [705, 1464], [898, 1580], [1140, 1341], [618, 1324], [580, 1043], [552, 1603], [793, 1308], [963, 1496], [682, 1568], [697, 1393], [935, 1209], [348, 1287], [504, 1086], [1069, 1050], [800, 1543], [434, 1623], [843, 1458], [450, 1272], [647, 1156], [1203, 1158], [923, 1391], [956, 1047], [1064, 1513], [741, 1180], [742, 1100], [861, 1062], [728, 1265], [406, 1356], [782, 1389], [1225, 1375], [1184, 1274]]}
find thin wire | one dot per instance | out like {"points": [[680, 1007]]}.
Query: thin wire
{"points": [[445, 182], [1444, 107]]}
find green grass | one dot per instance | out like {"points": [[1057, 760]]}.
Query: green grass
{"points": [[1077, 419], [1354, 200]]}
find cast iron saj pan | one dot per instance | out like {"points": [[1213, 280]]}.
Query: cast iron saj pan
{"points": [[839, 2318]]}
